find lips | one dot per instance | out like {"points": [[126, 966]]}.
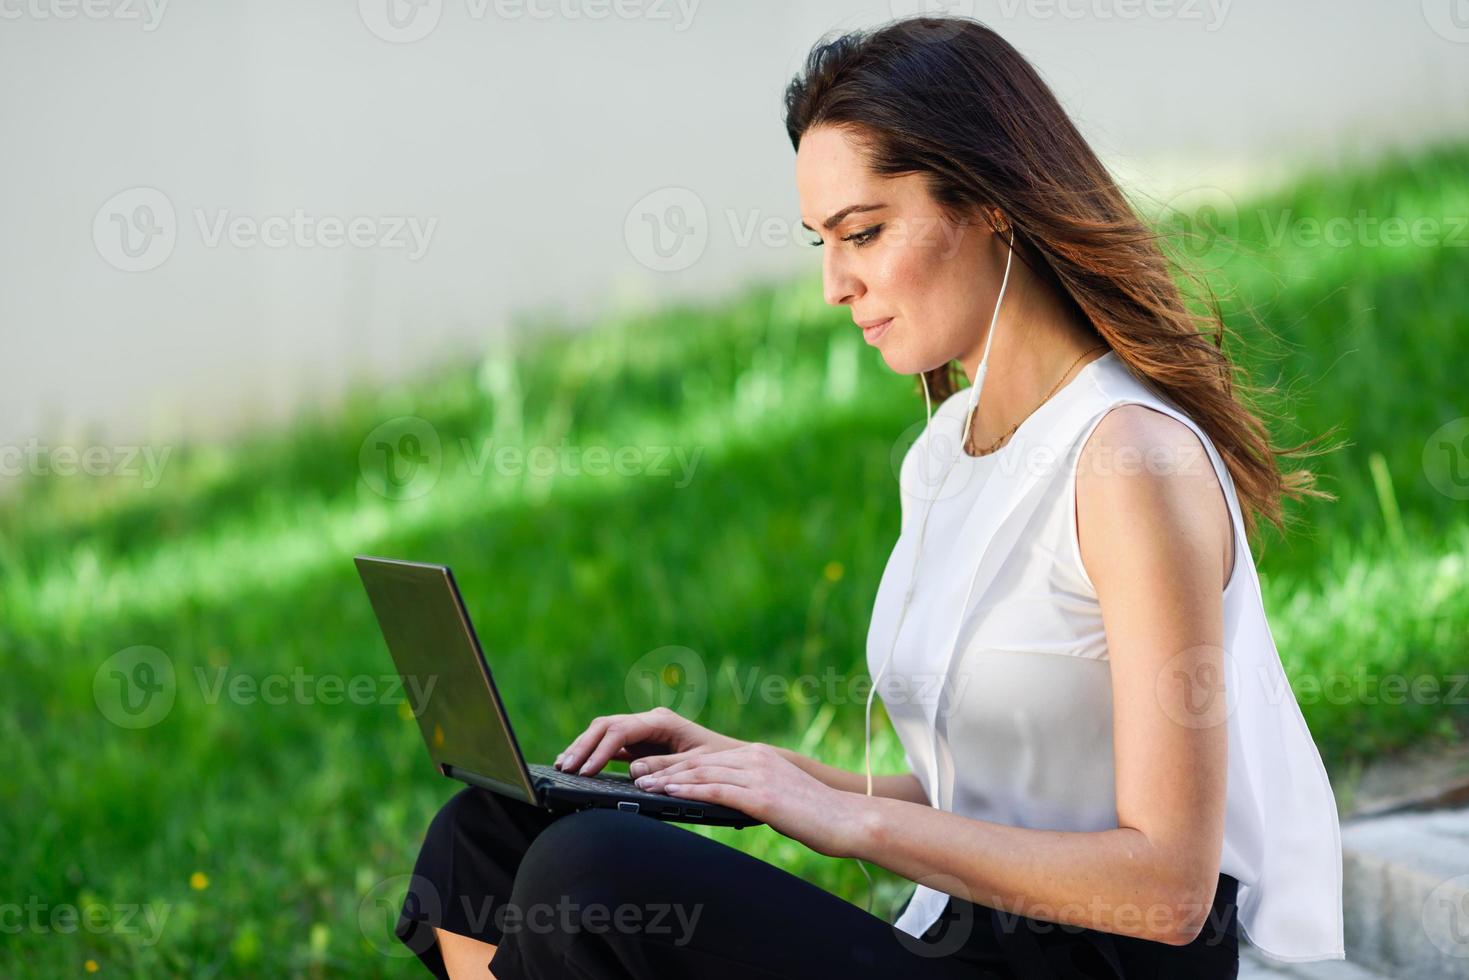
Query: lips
{"points": [[873, 330]]}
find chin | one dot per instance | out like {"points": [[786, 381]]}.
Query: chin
{"points": [[896, 363], [900, 361]]}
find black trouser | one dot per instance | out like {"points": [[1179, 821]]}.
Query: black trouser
{"points": [[604, 894]]}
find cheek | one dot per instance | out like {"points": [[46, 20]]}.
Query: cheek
{"points": [[903, 281], [924, 287]]}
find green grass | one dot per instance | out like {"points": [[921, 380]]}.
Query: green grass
{"points": [[300, 814]]}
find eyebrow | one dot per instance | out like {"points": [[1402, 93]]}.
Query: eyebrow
{"points": [[836, 219]]}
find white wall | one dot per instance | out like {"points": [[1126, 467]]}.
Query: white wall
{"points": [[526, 141]]}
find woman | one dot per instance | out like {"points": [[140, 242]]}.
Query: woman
{"points": [[1109, 776]]}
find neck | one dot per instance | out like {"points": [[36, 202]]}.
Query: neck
{"points": [[1037, 339]]}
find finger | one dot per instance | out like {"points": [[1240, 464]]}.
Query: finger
{"points": [[575, 745], [740, 798], [641, 750], [577, 750], [704, 774], [656, 763], [622, 731], [701, 757]]}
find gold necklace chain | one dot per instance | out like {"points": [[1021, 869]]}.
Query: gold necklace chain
{"points": [[996, 444]]}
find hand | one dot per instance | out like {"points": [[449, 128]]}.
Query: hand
{"points": [[756, 779], [638, 736]]}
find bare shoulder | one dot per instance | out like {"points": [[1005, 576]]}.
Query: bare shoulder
{"points": [[1144, 473], [1135, 439]]}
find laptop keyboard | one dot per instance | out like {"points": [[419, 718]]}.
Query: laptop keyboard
{"points": [[620, 783]]}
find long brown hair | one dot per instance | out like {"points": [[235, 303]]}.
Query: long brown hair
{"points": [[948, 98]]}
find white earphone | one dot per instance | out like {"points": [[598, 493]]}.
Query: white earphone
{"points": [[974, 388]]}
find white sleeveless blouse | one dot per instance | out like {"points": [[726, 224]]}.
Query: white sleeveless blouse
{"points": [[1013, 724]]}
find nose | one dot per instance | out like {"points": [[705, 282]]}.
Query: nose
{"points": [[839, 284]]}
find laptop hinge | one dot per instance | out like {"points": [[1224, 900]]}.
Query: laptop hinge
{"points": [[487, 782]]}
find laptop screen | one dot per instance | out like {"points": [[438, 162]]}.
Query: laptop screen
{"points": [[445, 679]]}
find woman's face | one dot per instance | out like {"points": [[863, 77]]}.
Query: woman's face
{"points": [[936, 279]]}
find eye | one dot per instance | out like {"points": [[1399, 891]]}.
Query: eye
{"points": [[858, 238]]}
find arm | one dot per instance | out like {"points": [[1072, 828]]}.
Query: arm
{"points": [[1156, 546], [905, 787]]}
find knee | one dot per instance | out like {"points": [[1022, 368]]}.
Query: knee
{"points": [[583, 856], [461, 810]]}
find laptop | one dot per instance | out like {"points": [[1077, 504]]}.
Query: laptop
{"points": [[462, 716]]}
